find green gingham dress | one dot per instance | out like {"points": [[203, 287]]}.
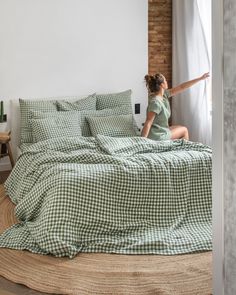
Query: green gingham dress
{"points": [[160, 126]]}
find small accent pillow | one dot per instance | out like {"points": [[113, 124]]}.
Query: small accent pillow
{"points": [[65, 124], [102, 113], [87, 103], [116, 126], [113, 100]]}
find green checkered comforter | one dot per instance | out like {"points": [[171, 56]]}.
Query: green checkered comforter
{"points": [[114, 195]]}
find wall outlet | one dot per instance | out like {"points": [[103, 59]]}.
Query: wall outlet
{"points": [[137, 108]]}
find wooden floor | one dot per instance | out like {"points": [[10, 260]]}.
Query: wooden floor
{"points": [[3, 177], [9, 288]]}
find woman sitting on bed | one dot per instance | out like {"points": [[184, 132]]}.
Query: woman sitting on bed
{"points": [[156, 126]]}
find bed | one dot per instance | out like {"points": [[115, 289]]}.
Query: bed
{"points": [[87, 182]]}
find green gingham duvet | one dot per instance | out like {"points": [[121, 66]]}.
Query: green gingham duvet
{"points": [[114, 195]]}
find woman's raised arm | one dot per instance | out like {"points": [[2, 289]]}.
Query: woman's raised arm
{"points": [[180, 88]]}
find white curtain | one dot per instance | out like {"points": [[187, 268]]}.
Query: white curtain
{"points": [[192, 58]]}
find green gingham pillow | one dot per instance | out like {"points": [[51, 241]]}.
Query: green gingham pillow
{"points": [[43, 105], [62, 125], [116, 126], [87, 103], [25, 107], [113, 100], [103, 113]]}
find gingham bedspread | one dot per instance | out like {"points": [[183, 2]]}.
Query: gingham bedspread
{"points": [[114, 195]]}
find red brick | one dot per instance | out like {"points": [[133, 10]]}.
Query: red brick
{"points": [[160, 37]]}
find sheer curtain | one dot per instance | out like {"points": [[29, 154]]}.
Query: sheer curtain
{"points": [[192, 58]]}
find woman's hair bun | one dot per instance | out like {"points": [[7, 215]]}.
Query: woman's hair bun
{"points": [[153, 82], [148, 78]]}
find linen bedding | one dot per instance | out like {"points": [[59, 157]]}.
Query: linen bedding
{"points": [[114, 195]]}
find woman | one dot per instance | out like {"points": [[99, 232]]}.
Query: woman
{"points": [[156, 126]]}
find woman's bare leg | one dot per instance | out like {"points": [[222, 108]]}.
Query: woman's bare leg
{"points": [[178, 131]]}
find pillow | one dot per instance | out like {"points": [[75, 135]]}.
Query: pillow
{"points": [[43, 105], [112, 100], [117, 126], [63, 124], [25, 107], [57, 115], [102, 113], [87, 103]]}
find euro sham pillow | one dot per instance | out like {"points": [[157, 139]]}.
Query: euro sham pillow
{"points": [[113, 100], [64, 124], [116, 126], [87, 103]]}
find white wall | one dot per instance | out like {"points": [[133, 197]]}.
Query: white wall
{"points": [[73, 47]]}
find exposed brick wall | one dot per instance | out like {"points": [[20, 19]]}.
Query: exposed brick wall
{"points": [[160, 38]]}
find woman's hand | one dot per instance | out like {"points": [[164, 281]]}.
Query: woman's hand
{"points": [[205, 76]]}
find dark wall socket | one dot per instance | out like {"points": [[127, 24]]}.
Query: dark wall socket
{"points": [[137, 108]]}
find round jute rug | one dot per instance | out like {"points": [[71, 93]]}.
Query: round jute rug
{"points": [[104, 273]]}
